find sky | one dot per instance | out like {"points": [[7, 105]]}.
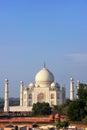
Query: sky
{"points": [[36, 31]]}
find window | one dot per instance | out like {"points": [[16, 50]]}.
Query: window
{"points": [[30, 96], [52, 96], [30, 103], [58, 96]]}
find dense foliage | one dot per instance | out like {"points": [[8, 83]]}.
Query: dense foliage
{"points": [[61, 109], [82, 92], [85, 120], [41, 109], [60, 124], [77, 109]]}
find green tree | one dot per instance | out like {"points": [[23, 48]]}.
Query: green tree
{"points": [[82, 95], [61, 109], [41, 109], [84, 121], [65, 124], [58, 123], [82, 92], [76, 111], [57, 109]]}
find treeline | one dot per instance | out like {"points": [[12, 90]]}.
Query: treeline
{"points": [[12, 102], [1, 103]]}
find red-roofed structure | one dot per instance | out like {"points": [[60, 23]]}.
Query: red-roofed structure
{"points": [[51, 117], [57, 116]]}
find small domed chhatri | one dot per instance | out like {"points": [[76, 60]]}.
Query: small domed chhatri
{"points": [[31, 85], [45, 89], [53, 84]]}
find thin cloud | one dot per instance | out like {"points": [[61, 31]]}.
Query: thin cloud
{"points": [[78, 57]]}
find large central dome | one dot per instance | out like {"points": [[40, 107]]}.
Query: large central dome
{"points": [[44, 76]]}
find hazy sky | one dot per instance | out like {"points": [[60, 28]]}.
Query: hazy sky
{"points": [[36, 31]]}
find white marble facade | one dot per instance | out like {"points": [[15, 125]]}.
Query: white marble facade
{"points": [[45, 89]]}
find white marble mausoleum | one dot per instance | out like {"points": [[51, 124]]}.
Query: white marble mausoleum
{"points": [[45, 89]]}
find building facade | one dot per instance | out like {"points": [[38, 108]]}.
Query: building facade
{"points": [[45, 89]]}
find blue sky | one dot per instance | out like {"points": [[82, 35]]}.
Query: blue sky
{"points": [[34, 31]]}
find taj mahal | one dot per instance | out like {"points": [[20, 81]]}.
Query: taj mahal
{"points": [[45, 89]]}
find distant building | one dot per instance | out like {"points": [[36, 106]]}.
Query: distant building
{"points": [[45, 89]]}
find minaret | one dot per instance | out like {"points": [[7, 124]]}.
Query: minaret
{"points": [[71, 89], [77, 87], [6, 100], [21, 93]]}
